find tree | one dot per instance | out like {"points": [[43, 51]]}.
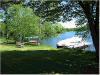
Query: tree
{"points": [[93, 21], [21, 22], [51, 30]]}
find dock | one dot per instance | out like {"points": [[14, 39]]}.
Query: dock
{"points": [[74, 42]]}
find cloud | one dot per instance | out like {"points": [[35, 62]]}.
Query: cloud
{"points": [[68, 24]]}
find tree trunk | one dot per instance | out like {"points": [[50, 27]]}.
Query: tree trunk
{"points": [[94, 34], [20, 38], [97, 28], [6, 34], [95, 37], [92, 24], [40, 33]]}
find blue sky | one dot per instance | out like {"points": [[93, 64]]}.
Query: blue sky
{"points": [[2, 12], [63, 3]]}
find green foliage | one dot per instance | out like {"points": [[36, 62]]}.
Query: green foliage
{"points": [[1, 15], [2, 28], [81, 31], [78, 29], [51, 30], [21, 21]]}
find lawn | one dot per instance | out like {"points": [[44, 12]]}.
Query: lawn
{"points": [[46, 60], [11, 46]]}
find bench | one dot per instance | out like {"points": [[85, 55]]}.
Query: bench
{"points": [[20, 44]]}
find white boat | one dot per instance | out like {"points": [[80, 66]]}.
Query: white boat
{"points": [[74, 42]]}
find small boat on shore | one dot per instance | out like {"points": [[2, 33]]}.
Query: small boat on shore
{"points": [[74, 42]]}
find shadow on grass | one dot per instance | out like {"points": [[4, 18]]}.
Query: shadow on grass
{"points": [[48, 62]]}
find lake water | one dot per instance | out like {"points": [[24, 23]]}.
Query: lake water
{"points": [[54, 40]]}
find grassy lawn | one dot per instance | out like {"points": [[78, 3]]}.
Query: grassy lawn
{"points": [[11, 46], [46, 60]]}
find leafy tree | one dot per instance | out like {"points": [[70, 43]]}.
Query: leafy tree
{"points": [[21, 22], [92, 15], [50, 30]]}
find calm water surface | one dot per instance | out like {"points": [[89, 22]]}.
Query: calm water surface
{"points": [[53, 41]]}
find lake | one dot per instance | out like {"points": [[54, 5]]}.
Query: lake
{"points": [[54, 40]]}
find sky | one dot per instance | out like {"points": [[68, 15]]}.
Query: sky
{"points": [[2, 12], [68, 24]]}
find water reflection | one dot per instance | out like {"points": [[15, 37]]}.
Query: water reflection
{"points": [[52, 41]]}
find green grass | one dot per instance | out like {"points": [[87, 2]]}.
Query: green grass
{"points": [[11, 46], [46, 60]]}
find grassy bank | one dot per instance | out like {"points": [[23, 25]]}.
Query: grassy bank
{"points": [[46, 60], [11, 46]]}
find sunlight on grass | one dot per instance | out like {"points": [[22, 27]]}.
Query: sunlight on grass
{"points": [[14, 47], [11, 47]]}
